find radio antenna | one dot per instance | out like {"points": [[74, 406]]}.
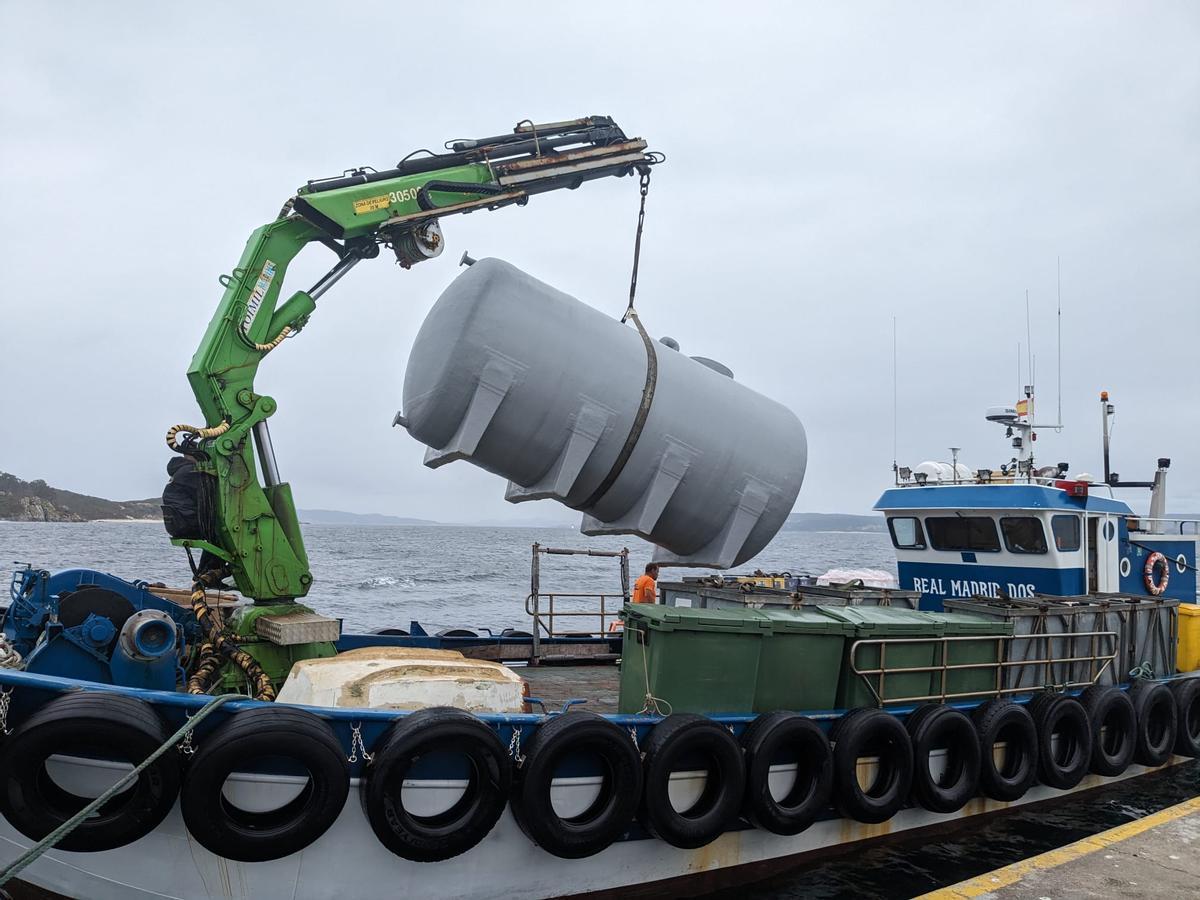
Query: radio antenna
{"points": [[1060, 417], [895, 399], [1028, 338]]}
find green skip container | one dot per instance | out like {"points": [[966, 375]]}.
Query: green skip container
{"points": [[800, 663], [697, 660], [875, 622], [975, 682]]}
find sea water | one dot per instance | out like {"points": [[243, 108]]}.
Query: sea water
{"points": [[442, 576]]}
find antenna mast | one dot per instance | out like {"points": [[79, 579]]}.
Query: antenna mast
{"points": [[1060, 417], [1018, 368], [895, 399], [1028, 338]]}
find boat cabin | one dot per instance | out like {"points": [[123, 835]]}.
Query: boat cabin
{"points": [[1021, 530], [964, 540]]}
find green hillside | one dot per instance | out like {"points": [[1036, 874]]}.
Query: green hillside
{"points": [[36, 501]]}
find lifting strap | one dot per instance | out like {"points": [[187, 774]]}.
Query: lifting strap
{"points": [[643, 411]]}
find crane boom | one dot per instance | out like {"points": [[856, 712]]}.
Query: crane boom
{"points": [[246, 527]]}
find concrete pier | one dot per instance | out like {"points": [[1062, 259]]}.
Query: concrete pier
{"points": [[1154, 857]]}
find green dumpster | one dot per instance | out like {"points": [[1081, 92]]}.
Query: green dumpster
{"points": [[697, 660], [876, 622], [976, 682], [800, 663]]}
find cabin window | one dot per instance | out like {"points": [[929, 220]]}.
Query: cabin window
{"points": [[963, 533], [906, 533], [1023, 534], [1066, 532]]}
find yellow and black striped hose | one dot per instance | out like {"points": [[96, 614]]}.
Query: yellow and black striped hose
{"points": [[217, 645]]}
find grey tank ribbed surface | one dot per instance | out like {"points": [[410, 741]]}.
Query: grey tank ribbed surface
{"points": [[533, 385]]}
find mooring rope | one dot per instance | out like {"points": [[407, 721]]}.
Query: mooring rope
{"points": [[9, 657], [651, 703], [53, 838]]}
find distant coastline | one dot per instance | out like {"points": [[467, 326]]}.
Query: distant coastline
{"points": [[36, 501], [339, 517], [844, 523]]}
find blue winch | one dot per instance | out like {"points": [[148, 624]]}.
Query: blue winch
{"points": [[91, 626]]}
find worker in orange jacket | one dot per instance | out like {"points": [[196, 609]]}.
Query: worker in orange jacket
{"points": [[644, 590]]}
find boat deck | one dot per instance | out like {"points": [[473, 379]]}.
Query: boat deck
{"points": [[599, 685]]}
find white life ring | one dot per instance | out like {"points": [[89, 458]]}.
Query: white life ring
{"points": [[1153, 561]]}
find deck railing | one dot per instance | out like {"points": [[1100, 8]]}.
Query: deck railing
{"points": [[543, 606], [1165, 525], [1098, 661]]}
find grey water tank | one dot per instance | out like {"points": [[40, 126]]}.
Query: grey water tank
{"points": [[543, 390]]}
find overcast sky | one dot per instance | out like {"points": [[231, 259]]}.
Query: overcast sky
{"points": [[829, 167]]}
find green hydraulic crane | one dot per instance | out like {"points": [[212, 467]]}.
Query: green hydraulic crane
{"points": [[216, 503]]}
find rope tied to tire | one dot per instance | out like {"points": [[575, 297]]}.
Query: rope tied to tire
{"points": [[47, 843]]}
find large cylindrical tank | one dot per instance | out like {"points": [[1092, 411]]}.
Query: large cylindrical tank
{"points": [[543, 390]]}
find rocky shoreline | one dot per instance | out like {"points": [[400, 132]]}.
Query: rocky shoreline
{"points": [[36, 501]]}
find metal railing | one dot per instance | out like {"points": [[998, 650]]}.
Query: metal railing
{"points": [[543, 618], [1158, 526], [876, 678]]}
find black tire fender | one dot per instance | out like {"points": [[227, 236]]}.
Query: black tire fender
{"points": [[678, 742], [1114, 728], [1003, 722], [279, 732], [1186, 692], [934, 727], [1157, 722], [437, 729], [766, 739], [100, 725], [1062, 763], [609, 816], [871, 732]]}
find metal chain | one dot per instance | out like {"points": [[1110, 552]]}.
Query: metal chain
{"points": [[637, 244], [514, 747], [185, 746], [356, 744], [5, 700]]}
